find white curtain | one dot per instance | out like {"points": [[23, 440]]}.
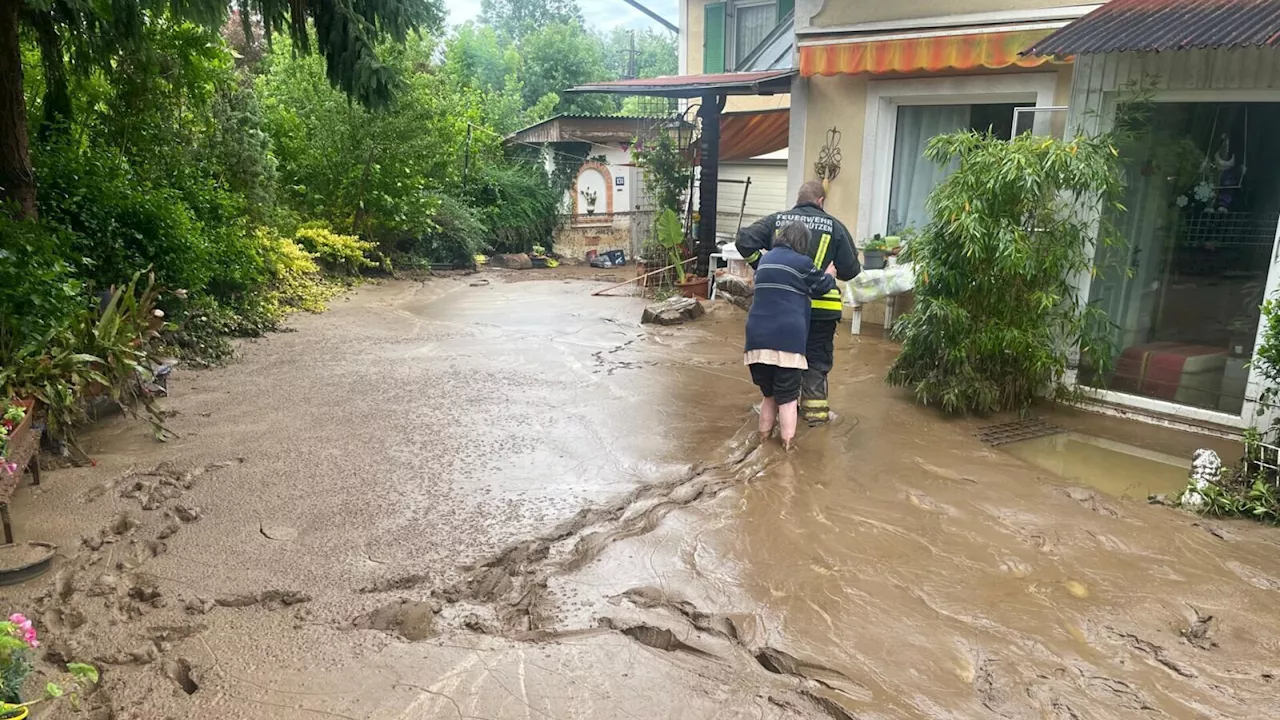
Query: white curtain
{"points": [[914, 176], [753, 24]]}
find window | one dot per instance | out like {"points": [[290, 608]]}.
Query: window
{"points": [[733, 30], [913, 175], [1182, 293], [752, 23]]}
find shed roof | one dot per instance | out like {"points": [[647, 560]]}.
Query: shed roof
{"points": [[587, 128], [767, 82], [1161, 25]]}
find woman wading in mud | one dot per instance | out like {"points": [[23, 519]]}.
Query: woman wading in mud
{"points": [[778, 326]]}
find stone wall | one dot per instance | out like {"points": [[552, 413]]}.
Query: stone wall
{"points": [[573, 242]]}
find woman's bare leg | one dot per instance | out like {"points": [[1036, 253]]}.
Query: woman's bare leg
{"points": [[768, 414], [789, 415]]}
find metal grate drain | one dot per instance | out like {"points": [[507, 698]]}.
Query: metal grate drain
{"points": [[1017, 430]]}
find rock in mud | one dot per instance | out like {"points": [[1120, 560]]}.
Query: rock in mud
{"points": [[409, 619], [123, 524], [199, 605], [736, 290], [734, 285], [673, 311], [169, 530], [186, 513], [515, 261], [180, 671], [1197, 634]]}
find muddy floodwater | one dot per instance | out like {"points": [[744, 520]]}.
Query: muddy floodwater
{"points": [[476, 498]]}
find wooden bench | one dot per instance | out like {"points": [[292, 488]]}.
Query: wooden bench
{"points": [[23, 451]]}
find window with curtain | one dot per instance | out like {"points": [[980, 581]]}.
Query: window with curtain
{"points": [[751, 25]]}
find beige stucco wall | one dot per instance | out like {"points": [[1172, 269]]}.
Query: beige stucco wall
{"points": [[693, 48], [835, 13], [841, 102]]}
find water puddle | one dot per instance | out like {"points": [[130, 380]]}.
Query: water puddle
{"points": [[1115, 468]]}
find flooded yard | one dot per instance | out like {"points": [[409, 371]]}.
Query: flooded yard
{"points": [[483, 499]]}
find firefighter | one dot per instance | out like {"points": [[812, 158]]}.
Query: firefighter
{"points": [[829, 242]]}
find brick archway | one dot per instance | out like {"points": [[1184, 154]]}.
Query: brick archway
{"points": [[608, 187]]}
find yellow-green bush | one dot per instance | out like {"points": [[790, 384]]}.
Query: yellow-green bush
{"points": [[297, 280], [337, 253]]}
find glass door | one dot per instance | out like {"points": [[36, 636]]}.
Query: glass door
{"points": [[1183, 290]]}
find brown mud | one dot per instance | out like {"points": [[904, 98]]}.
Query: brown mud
{"points": [[463, 499]]}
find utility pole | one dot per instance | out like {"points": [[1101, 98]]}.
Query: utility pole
{"points": [[632, 70], [466, 158]]}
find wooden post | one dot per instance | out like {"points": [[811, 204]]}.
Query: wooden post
{"points": [[709, 182]]}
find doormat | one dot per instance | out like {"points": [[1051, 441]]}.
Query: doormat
{"points": [[1016, 431]]}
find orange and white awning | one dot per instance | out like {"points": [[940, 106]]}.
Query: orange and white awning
{"points": [[923, 53]]}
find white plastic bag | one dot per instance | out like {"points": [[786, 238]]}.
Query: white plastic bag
{"points": [[871, 285]]}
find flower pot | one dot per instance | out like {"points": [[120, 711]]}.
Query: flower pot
{"points": [[538, 262], [591, 211], [872, 259], [19, 714], [694, 287]]}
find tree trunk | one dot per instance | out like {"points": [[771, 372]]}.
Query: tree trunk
{"points": [[57, 95], [17, 180]]}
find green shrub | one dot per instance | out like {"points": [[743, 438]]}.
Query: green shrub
{"points": [[119, 225], [39, 288], [997, 318], [456, 235], [518, 204]]}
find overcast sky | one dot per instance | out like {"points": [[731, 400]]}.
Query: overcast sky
{"points": [[598, 13]]}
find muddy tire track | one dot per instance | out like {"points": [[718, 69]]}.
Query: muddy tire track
{"points": [[514, 582]]}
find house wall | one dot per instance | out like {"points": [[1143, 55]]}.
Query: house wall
{"points": [[838, 13], [692, 38], [594, 175], [609, 227], [768, 192]]}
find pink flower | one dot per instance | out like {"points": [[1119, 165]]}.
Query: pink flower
{"points": [[28, 630]]}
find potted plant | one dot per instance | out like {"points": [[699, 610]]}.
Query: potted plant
{"points": [[17, 642], [15, 421], [591, 196], [671, 237], [873, 253]]}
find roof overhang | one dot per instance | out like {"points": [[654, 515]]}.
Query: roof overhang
{"points": [[771, 82], [1161, 25]]}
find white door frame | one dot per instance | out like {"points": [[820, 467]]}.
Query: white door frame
{"points": [[880, 128], [1249, 414]]}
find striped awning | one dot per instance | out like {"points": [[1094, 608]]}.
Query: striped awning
{"points": [[750, 134], [931, 53]]}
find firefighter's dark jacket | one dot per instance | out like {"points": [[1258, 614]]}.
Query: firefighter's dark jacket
{"points": [[829, 242]]}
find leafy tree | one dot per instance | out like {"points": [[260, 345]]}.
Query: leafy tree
{"points": [[517, 19], [997, 319], [560, 56], [374, 173], [93, 34]]}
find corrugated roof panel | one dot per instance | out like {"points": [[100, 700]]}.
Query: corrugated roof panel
{"points": [[1160, 25]]}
